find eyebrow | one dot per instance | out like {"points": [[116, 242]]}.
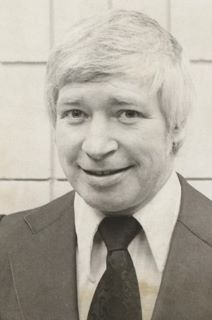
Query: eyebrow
{"points": [[122, 100], [70, 101], [115, 101]]}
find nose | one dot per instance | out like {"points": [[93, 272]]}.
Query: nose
{"points": [[99, 143]]}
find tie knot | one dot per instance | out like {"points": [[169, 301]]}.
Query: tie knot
{"points": [[118, 232]]}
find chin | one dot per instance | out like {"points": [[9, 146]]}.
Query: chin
{"points": [[103, 206], [109, 206]]}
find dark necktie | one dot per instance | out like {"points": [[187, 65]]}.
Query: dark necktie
{"points": [[117, 294]]}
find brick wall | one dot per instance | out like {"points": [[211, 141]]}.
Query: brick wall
{"points": [[29, 171]]}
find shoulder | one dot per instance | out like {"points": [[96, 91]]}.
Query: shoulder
{"points": [[196, 212], [16, 227]]}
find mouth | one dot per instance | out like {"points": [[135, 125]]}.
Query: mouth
{"points": [[105, 173]]}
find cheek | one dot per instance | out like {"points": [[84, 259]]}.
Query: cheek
{"points": [[67, 144], [152, 150], [66, 137], [160, 140]]}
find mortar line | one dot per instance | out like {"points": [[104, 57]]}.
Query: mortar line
{"points": [[52, 155], [21, 63]]}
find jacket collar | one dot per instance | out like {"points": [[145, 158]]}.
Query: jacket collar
{"points": [[44, 270], [42, 217], [187, 277]]}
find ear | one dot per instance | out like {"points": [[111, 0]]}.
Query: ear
{"points": [[178, 136]]}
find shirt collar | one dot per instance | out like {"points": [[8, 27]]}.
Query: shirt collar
{"points": [[157, 219], [87, 220]]}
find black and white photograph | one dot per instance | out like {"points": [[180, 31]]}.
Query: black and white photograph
{"points": [[105, 160]]}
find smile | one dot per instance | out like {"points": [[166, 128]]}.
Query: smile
{"points": [[103, 173]]}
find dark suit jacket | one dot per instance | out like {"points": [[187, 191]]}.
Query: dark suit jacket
{"points": [[38, 265]]}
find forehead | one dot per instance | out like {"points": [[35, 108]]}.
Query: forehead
{"points": [[121, 88]]}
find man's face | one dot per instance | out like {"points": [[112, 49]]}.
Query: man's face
{"points": [[113, 143]]}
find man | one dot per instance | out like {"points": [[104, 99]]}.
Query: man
{"points": [[119, 96]]}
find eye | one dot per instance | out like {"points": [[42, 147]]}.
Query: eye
{"points": [[75, 115], [129, 116]]}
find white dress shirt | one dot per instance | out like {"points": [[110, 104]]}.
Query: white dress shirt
{"points": [[149, 249]]}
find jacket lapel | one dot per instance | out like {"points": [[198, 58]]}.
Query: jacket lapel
{"points": [[44, 272], [186, 283]]}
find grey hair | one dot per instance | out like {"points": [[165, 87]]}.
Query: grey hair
{"points": [[117, 43]]}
